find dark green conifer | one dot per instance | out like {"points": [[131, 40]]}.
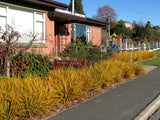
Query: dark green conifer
{"points": [[78, 7]]}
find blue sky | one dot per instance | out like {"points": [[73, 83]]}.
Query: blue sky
{"points": [[128, 10]]}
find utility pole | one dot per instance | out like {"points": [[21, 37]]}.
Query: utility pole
{"points": [[73, 25], [109, 26], [72, 7]]}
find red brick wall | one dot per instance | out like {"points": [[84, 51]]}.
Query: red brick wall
{"points": [[96, 36], [50, 37], [131, 26]]}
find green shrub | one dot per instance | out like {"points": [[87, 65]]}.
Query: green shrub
{"points": [[32, 63], [91, 53]]}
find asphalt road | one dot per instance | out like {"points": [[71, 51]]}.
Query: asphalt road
{"points": [[122, 103]]}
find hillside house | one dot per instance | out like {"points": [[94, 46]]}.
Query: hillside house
{"points": [[128, 25]]}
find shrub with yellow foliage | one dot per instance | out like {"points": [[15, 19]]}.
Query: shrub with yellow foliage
{"points": [[34, 96], [137, 56]]}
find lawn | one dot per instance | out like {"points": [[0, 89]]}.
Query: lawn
{"points": [[157, 53], [154, 61]]}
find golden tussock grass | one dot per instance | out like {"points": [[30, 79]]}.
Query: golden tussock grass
{"points": [[137, 56], [35, 96]]}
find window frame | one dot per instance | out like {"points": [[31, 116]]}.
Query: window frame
{"points": [[4, 15], [86, 26], [34, 12], [90, 33]]}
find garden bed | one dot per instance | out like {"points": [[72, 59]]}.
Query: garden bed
{"points": [[38, 96]]}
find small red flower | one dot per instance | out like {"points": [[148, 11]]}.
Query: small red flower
{"points": [[23, 65]]}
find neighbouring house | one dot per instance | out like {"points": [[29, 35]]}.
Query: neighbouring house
{"points": [[128, 25], [54, 26]]}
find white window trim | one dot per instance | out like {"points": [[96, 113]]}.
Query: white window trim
{"points": [[86, 30], [4, 15], [42, 21], [34, 18], [90, 32]]}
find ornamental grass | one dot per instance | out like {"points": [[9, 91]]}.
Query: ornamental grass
{"points": [[34, 96], [25, 98], [137, 56]]}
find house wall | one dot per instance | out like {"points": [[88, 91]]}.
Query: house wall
{"points": [[62, 37], [96, 36], [38, 22], [131, 26], [50, 37], [55, 31]]}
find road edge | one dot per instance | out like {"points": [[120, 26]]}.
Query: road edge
{"points": [[149, 110]]}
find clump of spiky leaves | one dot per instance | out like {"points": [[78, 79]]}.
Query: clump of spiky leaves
{"points": [[136, 56], [34, 96], [25, 97], [68, 84]]}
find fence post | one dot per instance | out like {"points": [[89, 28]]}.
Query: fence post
{"points": [[55, 64], [132, 47], [131, 54], [101, 54], [84, 63], [76, 49]]}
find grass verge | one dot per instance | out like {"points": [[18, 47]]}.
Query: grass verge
{"points": [[154, 61]]}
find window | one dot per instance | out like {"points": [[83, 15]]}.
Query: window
{"points": [[82, 33], [39, 25], [26, 22], [89, 37], [128, 25], [3, 16]]}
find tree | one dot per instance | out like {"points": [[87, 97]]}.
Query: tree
{"points": [[105, 12], [78, 7], [8, 48], [134, 24], [156, 27], [148, 31], [138, 32], [156, 32], [120, 28]]}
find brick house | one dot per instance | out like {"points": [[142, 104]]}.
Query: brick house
{"points": [[55, 27]]}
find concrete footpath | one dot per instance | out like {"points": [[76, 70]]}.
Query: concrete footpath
{"points": [[124, 102], [156, 116]]}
